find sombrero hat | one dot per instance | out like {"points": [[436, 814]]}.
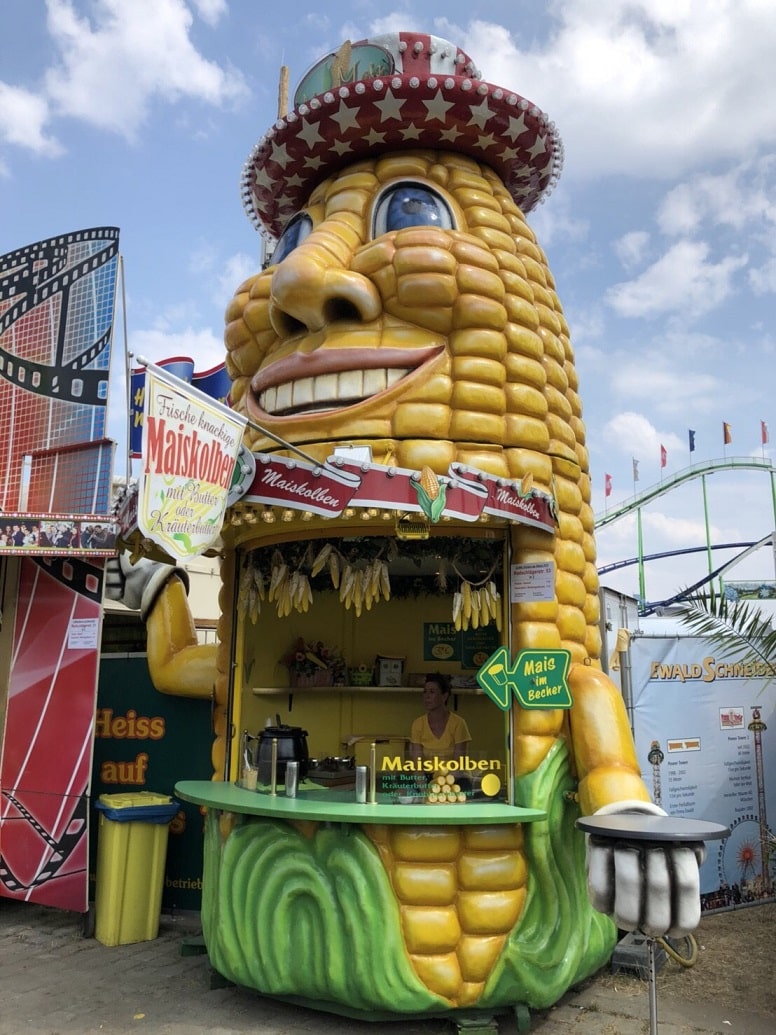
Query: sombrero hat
{"points": [[395, 91]]}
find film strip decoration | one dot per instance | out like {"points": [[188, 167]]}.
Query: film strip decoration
{"points": [[36, 274], [61, 850], [58, 535], [84, 579]]}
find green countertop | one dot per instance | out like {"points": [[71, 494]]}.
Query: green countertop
{"points": [[338, 805]]}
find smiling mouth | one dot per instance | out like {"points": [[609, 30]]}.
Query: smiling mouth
{"points": [[327, 391], [309, 383]]}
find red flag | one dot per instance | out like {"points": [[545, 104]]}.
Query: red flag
{"points": [[607, 485], [727, 438], [764, 433], [663, 456]]}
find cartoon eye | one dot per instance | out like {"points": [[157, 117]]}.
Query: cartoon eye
{"points": [[410, 204], [293, 235]]}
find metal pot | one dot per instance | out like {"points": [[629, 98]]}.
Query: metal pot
{"points": [[292, 747]]}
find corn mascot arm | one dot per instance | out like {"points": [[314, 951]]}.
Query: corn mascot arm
{"points": [[178, 664]]}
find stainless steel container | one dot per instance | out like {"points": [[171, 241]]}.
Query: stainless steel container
{"points": [[292, 779], [362, 783]]}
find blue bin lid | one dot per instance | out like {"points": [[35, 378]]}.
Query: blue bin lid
{"points": [[138, 806]]}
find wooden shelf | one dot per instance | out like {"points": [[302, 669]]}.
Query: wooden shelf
{"points": [[264, 691]]}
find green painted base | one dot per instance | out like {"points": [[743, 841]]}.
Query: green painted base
{"points": [[467, 1025], [194, 946], [468, 1022], [218, 980]]}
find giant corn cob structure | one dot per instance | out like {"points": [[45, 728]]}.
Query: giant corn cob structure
{"points": [[409, 308]]}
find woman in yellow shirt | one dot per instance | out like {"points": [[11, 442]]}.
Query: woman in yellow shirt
{"points": [[439, 733]]}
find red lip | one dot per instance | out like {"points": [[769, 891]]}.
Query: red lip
{"points": [[338, 361]]}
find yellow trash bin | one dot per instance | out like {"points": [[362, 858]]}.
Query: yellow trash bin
{"points": [[131, 853]]}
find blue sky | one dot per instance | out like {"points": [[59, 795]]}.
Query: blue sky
{"points": [[660, 234]]}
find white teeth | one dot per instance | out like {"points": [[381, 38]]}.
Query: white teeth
{"points": [[351, 385], [302, 392], [328, 391], [285, 397], [375, 381], [325, 387]]}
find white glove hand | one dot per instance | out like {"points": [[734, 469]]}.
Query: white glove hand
{"points": [[138, 585], [644, 886]]}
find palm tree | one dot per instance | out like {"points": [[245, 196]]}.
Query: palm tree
{"points": [[740, 629]]}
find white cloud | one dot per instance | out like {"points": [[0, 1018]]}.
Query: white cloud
{"points": [[587, 326], [662, 383], [682, 281], [763, 280], [742, 196], [236, 269], [681, 211], [631, 248], [656, 86], [23, 118], [224, 276], [211, 11], [632, 434], [558, 222], [109, 72], [676, 531], [157, 343]]}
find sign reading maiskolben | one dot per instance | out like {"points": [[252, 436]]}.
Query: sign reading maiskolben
{"points": [[190, 445]]}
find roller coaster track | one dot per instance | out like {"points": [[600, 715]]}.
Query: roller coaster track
{"points": [[655, 491], [630, 561], [657, 605], [688, 474]]}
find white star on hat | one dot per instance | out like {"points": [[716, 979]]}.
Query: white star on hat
{"points": [[451, 134], [516, 126], [480, 114], [311, 134], [438, 107], [346, 118], [389, 107], [280, 155]]}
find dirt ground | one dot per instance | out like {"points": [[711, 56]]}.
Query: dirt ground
{"points": [[735, 965]]}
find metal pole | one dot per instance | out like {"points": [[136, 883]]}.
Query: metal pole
{"points": [[626, 675], [706, 520], [509, 631], [642, 585], [127, 375], [652, 987]]}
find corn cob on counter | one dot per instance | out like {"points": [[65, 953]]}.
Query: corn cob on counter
{"points": [[409, 311]]}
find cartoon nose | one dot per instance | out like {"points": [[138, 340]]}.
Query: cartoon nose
{"points": [[310, 291]]}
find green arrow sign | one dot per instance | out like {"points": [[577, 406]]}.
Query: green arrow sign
{"points": [[538, 678]]}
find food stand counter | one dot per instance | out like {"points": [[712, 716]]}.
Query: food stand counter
{"points": [[297, 899], [338, 806]]}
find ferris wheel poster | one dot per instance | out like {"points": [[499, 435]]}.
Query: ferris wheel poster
{"points": [[705, 732]]}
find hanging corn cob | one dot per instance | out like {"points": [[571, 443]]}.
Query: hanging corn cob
{"points": [[477, 605]]}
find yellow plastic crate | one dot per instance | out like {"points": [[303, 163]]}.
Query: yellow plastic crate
{"points": [[131, 853]]}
